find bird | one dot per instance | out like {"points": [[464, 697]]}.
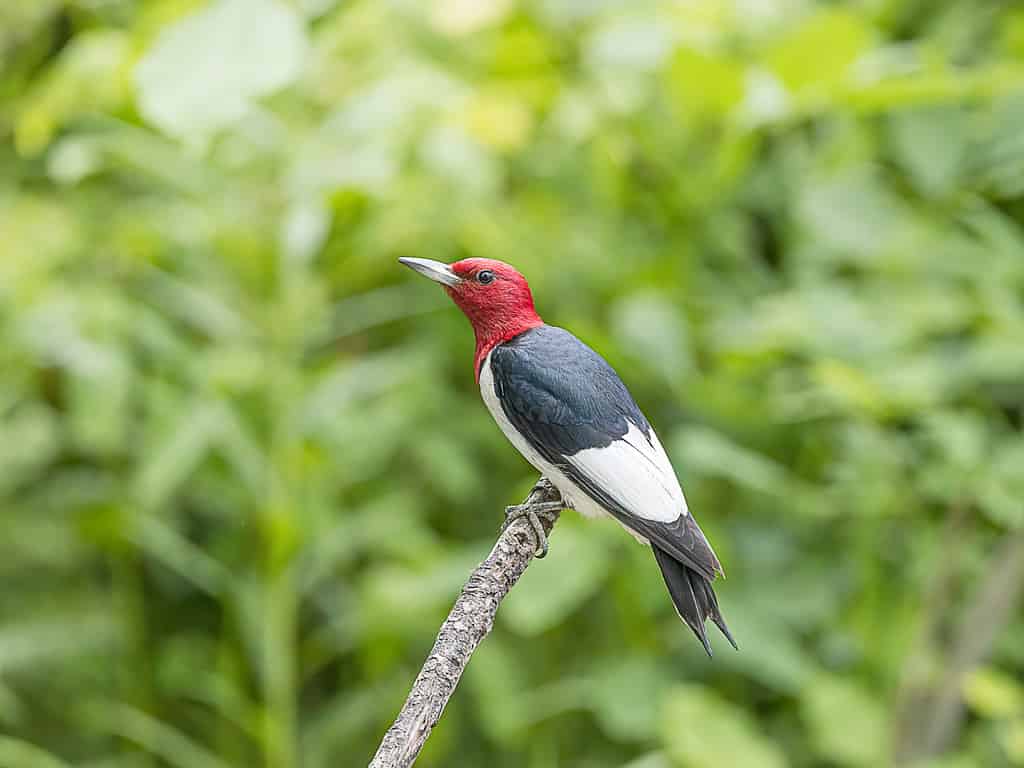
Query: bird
{"points": [[565, 409]]}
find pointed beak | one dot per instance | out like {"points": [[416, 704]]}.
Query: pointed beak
{"points": [[433, 270]]}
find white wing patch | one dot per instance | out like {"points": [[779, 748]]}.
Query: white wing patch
{"points": [[633, 470], [636, 473]]}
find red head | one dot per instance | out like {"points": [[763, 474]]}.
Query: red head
{"points": [[492, 294]]}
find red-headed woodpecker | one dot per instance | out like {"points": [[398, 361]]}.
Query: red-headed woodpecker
{"points": [[569, 414]]}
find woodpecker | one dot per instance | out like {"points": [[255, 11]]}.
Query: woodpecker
{"points": [[568, 413]]}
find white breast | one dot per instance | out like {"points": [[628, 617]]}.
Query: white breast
{"points": [[633, 470]]}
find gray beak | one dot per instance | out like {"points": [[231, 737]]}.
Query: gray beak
{"points": [[433, 270]]}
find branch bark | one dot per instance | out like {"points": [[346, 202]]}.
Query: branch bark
{"points": [[468, 622]]}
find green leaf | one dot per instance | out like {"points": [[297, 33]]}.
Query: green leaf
{"points": [[847, 724], [993, 694], [931, 145], [176, 552], [961, 760], [653, 330], [206, 71], [1012, 739], [707, 452], [497, 679], [403, 595], [704, 85], [29, 442], [1001, 485], [702, 730], [88, 75], [15, 753], [820, 51], [52, 639], [997, 156], [181, 453], [769, 651], [852, 212], [154, 736], [552, 589], [651, 760], [625, 697]]}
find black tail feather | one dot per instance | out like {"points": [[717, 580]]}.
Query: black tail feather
{"points": [[693, 597], [699, 583]]}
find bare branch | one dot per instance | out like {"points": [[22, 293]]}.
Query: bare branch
{"points": [[469, 621]]}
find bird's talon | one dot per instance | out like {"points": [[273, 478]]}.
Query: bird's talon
{"points": [[542, 540], [528, 511]]}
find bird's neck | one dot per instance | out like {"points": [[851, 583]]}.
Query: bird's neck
{"points": [[499, 330]]}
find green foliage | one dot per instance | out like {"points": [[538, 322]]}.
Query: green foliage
{"points": [[846, 721], [244, 467], [702, 730]]}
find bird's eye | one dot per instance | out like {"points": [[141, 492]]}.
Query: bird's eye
{"points": [[485, 277]]}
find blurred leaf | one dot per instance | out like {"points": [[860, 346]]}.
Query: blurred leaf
{"points": [[769, 651], [703, 730], [91, 73], [497, 678], [450, 464], [1013, 741], [197, 306], [932, 145], [625, 698], [1001, 485], [948, 761], [652, 760], [832, 39], [653, 331], [100, 407], [552, 589], [205, 72], [846, 723], [182, 556], [29, 442], [21, 754], [992, 694], [629, 44], [462, 17], [414, 596], [157, 738], [304, 231], [48, 640], [998, 157], [852, 212], [705, 451], [702, 84], [498, 121], [179, 456]]}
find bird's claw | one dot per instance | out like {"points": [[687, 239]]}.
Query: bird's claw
{"points": [[530, 511]]}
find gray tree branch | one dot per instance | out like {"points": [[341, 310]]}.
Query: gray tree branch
{"points": [[469, 621]]}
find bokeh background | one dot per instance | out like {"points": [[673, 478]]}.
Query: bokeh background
{"points": [[244, 468]]}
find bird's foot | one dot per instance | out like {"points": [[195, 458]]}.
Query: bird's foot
{"points": [[530, 512]]}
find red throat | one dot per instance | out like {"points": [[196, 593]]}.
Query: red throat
{"points": [[499, 309], [490, 332]]}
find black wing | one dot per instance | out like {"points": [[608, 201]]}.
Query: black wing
{"points": [[564, 398]]}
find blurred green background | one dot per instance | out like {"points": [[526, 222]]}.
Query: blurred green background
{"points": [[244, 468]]}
